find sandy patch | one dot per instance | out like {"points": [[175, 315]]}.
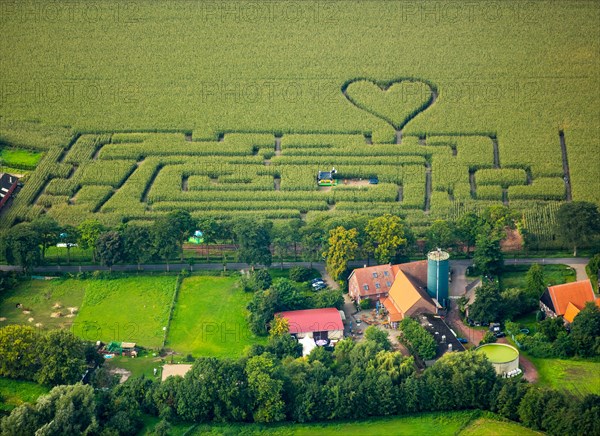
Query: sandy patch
{"points": [[70, 315], [122, 372], [26, 312], [178, 369], [56, 315], [2, 318]]}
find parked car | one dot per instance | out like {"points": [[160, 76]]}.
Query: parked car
{"points": [[499, 334], [317, 280], [319, 286], [373, 180], [462, 340]]}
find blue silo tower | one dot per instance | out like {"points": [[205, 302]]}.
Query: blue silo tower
{"points": [[438, 267]]}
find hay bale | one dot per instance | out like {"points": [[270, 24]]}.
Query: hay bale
{"points": [[57, 306], [30, 320], [56, 315], [26, 312], [2, 318]]}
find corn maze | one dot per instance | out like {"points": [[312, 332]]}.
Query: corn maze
{"points": [[138, 176]]}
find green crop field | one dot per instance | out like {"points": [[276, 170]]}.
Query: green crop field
{"points": [[209, 318], [229, 108]]}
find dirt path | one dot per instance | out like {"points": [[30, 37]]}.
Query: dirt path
{"points": [[496, 152], [565, 161], [427, 186]]}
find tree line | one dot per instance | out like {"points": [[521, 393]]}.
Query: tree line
{"points": [[337, 239], [270, 383]]}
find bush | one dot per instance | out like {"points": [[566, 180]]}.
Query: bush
{"points": [[488, 338], [365, 304], [300, 274]]}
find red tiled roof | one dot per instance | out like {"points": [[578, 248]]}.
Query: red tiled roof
{"points": [[576, 293], [416, 272], [373, 275], [313, 320]]}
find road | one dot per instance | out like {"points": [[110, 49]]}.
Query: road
{"points": [[458, 278]]}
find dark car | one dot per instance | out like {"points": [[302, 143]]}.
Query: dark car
{"points": [[462, 340], [500, 334], [373, 180]]}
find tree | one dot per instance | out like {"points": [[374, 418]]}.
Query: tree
{"points": [[578, 223], [266, 389], [379, 336], [20, 246], [312, 237], [89, 231], [385, 237], [441, 234], [262, 278], [324, 299], [181, 227], [279, 326], [164, 239], [585, 331], [282, 239], [487, 306], [211, 230], [592, 269], [62, 358], [64, 410], [342, 248], [137, 244], [419, 340], [254, 240], [18, 351], [488, 338], [536, 283], [467, 228], [48, 232], [70, 237], [109, 247], [488, 257]]}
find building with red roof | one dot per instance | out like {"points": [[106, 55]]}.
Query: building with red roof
{"points": [[401, 289], [319, 324], [567, 300]]}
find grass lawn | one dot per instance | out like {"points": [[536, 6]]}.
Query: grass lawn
{"points": [[19, 158], [16, 392], [142, 365], [210, 318], [425, 424], [132, 309], [492, 427], [440, 424], [580, 377], [42, 299], [515, 276]]}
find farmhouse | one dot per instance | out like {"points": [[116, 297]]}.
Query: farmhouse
{"points": [[402, 289], [567, 300], [320, 324], [8, 184]]}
